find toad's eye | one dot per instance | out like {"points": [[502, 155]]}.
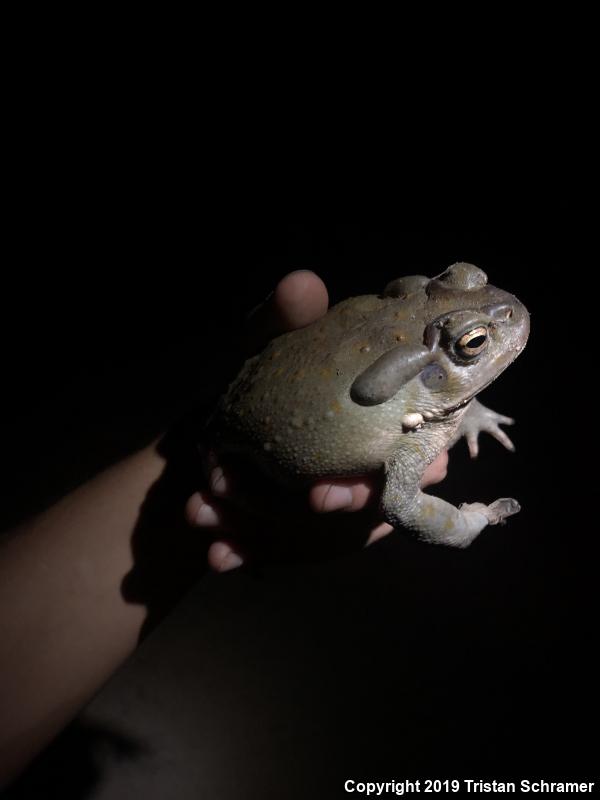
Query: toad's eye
{"points": [[472, 343]]}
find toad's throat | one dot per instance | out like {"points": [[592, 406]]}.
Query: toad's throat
{"points": [[442, 414]]}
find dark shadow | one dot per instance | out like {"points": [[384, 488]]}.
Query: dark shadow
{"points": [[169, 555], [73, 765]]}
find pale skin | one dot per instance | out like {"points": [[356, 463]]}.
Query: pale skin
{"points": [[66, 625]]}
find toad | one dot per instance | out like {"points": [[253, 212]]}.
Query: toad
{"points": [[382, 383]]}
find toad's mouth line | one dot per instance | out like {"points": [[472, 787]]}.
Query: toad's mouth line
{"points": [[446, 412]]}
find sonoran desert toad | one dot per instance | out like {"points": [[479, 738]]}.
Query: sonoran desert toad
{"points": [[382, 382]]}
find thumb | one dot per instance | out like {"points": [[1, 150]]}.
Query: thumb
{"points": [[298, 299]]}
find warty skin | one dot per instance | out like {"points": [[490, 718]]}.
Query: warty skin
{"points": [[382, 382]]}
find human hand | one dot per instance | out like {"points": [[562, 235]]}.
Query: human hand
{"points": [[237, 508]]}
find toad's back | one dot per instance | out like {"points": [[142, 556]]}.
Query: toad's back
{"points": [[290, 406]]}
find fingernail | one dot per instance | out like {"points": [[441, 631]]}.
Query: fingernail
{"points": [[218, 484], [337, 497], [206, 516], [231, 561]]}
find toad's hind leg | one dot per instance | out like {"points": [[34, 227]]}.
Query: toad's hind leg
{"points": [[431, 518]]}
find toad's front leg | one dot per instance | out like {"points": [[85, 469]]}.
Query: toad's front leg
{"points": [[478, 418], [431, 518]]}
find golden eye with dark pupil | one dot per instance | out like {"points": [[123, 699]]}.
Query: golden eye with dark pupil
{"points": [[473, 342]]}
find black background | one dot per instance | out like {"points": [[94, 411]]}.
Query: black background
{"points": [[403, 661]]}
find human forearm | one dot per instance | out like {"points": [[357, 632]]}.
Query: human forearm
{"points": [[65, 623]]}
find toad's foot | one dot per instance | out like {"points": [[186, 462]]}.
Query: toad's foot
{"points": [[478, 418], [431, 518], [497, 511]]}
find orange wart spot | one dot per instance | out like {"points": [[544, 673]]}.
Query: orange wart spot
{"points": [[335, 406], [325, 372], [277, 353], [399, 336]]}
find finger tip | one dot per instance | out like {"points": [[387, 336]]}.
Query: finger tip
{"points": [[299, 279], [300, 298], [326, 498], [200, 513], [219, 482], [223, 558], [315, 497], [192, 506]]}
